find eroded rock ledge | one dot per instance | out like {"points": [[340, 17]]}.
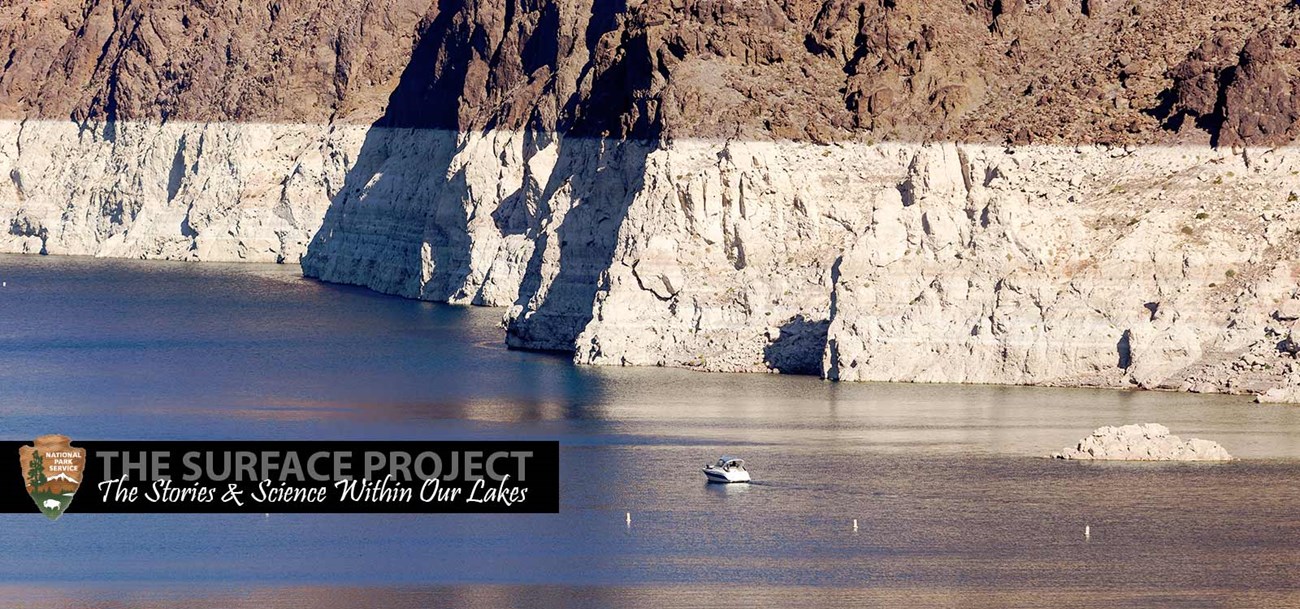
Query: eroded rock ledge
{"points": [[1158, 267], [1146, 442]]}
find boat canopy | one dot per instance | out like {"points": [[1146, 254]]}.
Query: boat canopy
{"points": [[727, 461]]}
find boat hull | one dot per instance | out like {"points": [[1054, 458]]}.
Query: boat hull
{"points": [[719, 476]]}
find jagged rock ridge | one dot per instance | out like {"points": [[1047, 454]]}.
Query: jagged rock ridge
{"points": [[1048, 71]]}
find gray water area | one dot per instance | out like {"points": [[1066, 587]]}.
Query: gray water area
{"points": [[956, 507]]}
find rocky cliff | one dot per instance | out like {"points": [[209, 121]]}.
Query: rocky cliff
{"points": [[187, 130], [1095, 192]]}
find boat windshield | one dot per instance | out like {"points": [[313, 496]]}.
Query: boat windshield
{"points": [[731, 462]]}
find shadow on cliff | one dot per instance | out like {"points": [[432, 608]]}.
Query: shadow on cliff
{"points": [[798, 348], [372, 234], [401, 195], [600, 181], [604, 142]]}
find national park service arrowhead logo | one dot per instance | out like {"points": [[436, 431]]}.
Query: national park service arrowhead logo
{"points": [[52, 471]]}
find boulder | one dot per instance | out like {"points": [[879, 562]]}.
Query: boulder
{"points": [[1289, 310], [1289, 344], [1279, 395], [1146, 442]]}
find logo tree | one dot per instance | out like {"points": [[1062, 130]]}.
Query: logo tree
{"points": [[36, 471]]}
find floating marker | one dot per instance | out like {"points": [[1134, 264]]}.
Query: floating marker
{"points": [[1087, 532], [629, 519], [855, 525]]}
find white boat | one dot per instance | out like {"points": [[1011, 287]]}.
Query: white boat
{"points": [[727, 469]]}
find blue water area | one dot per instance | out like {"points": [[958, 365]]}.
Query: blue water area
{"points": [[954, 504]]}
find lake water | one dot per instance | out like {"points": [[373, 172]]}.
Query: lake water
{"points": [[955, 507]]}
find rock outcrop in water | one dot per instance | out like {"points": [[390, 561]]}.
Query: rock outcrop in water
{"points": [[1107, 196], [1288, 392], [1147, 442]]}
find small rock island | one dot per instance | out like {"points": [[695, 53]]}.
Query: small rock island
{"points": [[1146, 442]]}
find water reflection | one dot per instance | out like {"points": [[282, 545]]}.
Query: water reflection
{"points": [[954, 508], [718, 595]]}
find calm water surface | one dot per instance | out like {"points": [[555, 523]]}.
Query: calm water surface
{"points": [[955, 509]]}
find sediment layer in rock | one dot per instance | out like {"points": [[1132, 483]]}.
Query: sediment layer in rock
{"points": [[178, 191]]}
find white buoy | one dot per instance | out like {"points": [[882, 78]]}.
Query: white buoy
{"points": [[629, 519], [855, 525], [1087, 532]]}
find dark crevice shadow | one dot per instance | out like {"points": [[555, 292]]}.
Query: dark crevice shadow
{"points": [[1173, 116], [799, 346], [428, 94], [1124, 350]]}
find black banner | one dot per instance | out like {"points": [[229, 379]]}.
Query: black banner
{"points": [[256, 477]]}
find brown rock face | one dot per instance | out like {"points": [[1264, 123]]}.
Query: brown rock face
{"points": [[1241, 88], [994, 70], [210, 60], [1262, 102]]}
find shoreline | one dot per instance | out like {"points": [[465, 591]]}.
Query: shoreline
{"points": [[1158, 266], [289, 269]]}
